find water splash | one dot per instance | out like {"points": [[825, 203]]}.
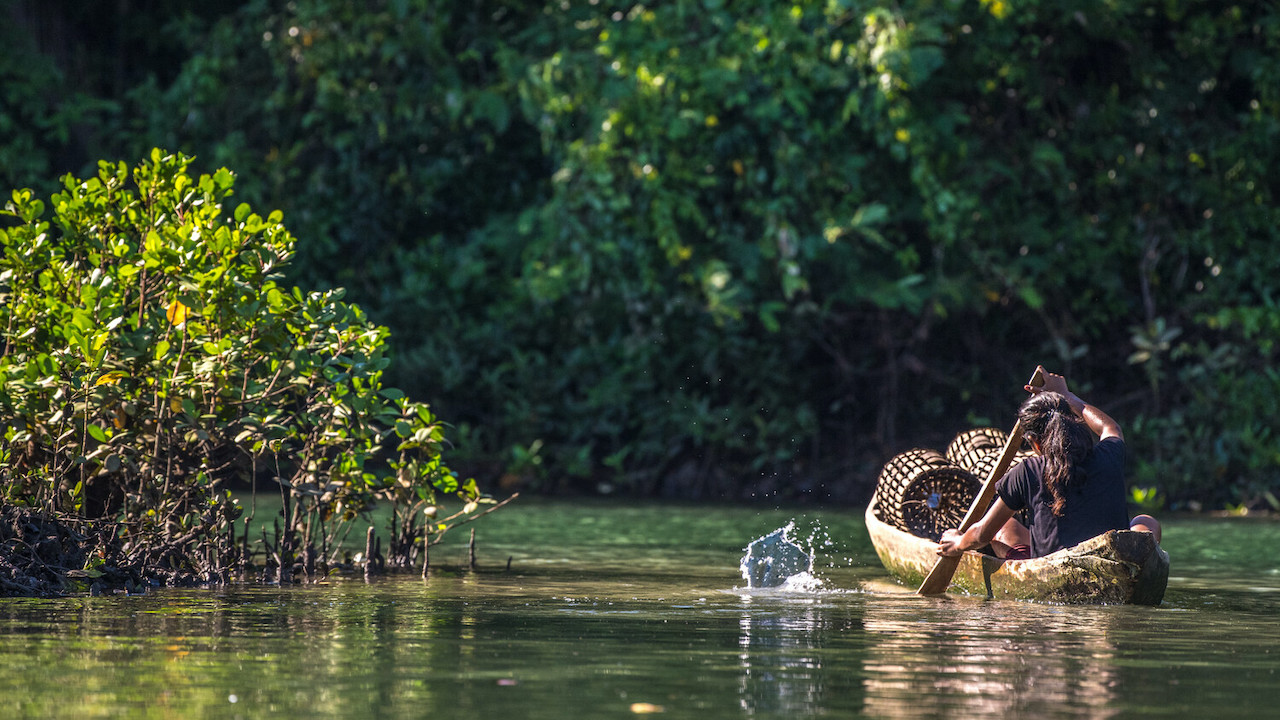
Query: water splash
{"points": [[777, 560]]}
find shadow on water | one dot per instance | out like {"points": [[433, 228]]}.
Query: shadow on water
{"points": [[615, 610]]}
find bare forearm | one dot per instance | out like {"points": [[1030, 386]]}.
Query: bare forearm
{"points": [[954, 544], [972, 538], [978, 535], [1102, 424]]}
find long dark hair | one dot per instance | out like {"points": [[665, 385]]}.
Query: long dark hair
{"points": [[1065, 442]]}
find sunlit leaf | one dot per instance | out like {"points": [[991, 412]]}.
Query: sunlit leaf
{"points": [[112, 378], [177, 313]]}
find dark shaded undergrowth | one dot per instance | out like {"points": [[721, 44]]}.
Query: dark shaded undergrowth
{"points": [[48, 556]]}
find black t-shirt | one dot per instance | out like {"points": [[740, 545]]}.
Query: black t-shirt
{"points": [[1094, 506]]}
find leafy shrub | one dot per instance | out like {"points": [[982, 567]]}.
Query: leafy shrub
{"points": [[151, 360]]}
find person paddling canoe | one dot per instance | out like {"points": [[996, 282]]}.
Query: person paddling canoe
{"points": [[1073, 487]]}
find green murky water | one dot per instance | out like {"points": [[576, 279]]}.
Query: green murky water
{"points": [[614, 611]]}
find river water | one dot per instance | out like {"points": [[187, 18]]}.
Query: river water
{"points": [[613, 610]]}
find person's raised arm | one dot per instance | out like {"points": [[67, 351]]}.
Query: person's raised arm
{"points": [[1102, 424]]}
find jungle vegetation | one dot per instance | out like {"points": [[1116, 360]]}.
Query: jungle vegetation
{"points": [[696, 249]]}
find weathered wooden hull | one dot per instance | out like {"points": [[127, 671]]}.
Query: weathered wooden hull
{"points": [[1117, 567]]}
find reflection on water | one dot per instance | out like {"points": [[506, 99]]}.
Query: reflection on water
{"points": [[781, 671], [609, 614], [990, 659]]}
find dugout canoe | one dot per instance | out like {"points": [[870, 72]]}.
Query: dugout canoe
{"points": [[1117, 567]]}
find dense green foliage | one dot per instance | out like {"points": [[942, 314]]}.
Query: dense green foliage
{"points": [[151, 360], [707, 248]]}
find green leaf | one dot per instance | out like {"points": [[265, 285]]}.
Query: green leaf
{"points": [[1031, 297], [96, 433], [275, 299]]}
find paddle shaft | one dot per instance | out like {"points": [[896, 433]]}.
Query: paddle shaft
{"points": [[943, 570]]}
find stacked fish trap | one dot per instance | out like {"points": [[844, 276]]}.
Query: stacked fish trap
{"points": [[978, 450], [923, 493]]}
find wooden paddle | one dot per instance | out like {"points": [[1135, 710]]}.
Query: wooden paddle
{"points": [[940, 577]]}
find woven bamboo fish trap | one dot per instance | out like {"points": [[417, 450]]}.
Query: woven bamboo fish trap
{"points": [[923, 493], [978, 451]]}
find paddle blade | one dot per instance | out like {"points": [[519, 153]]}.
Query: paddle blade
{"points": [[940, 577]]}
